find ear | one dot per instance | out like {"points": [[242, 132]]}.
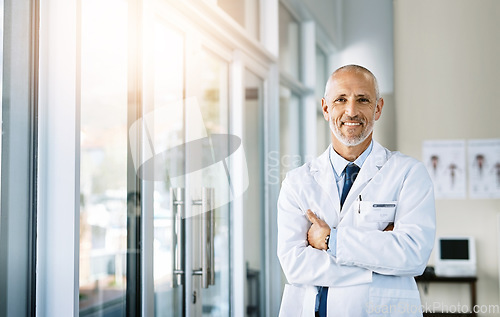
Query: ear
{"points": [[324, 107], [378, 108]]}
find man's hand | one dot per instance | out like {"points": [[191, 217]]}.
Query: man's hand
{"points": [[317, 232]]}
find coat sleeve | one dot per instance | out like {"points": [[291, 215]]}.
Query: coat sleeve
{"points": [[301, 263], [405, 250]]}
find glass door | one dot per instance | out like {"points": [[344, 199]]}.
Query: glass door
{"points": [[211, 87], [164, 169], [157, 165], [184, 167]]}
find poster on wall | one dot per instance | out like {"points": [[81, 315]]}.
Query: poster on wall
{"points": [[484, 168], [445, 161]]}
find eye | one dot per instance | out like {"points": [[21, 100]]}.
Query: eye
{"points": [[340, 99], [364, 100]]}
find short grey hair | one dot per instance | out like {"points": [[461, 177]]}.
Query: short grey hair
{"points": [[355, 69]]}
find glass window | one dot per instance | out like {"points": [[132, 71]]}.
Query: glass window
{"points": [[103, 169], [289, 131], [323, 137], [289, 42], [322, 73], [245, 12], [253, 142]]}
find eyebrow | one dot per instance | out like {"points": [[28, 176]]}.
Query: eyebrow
{"points": [[359, 95]]}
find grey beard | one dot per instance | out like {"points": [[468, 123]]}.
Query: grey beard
{"points": [[350, 141]]}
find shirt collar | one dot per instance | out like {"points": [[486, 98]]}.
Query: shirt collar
{"points": [[339, 163]]}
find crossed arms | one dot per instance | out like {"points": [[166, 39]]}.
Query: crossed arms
{"points": [[401, 250], [319, 230]]}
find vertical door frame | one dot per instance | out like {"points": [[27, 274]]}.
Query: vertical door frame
{"points": [[269, 34], [140, 285], [59, 160], [191, 46], [18, 214], [237, 245]]}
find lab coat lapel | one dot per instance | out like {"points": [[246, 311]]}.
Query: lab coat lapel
{"points": [[370, 168], [322, 171]]}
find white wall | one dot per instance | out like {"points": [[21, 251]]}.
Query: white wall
{"points": [[368, 41], [446, 82]]}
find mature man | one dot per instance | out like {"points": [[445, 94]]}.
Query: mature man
{"points": [[357, 223]]}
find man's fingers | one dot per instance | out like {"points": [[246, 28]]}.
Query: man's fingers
{"points": [[311, 216]]}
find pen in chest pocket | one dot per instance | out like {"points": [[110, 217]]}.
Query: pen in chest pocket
{"points": [[359, 205]]}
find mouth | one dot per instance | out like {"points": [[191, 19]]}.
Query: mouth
{"points": [[351, 124]]}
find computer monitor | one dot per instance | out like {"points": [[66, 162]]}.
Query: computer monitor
{"points": [[455, 256]]}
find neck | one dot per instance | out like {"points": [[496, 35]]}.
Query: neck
{"points": [[350, 153]]}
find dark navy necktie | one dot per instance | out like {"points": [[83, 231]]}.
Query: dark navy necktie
{"points": [[351, 172]]}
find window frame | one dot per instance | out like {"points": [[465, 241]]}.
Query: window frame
{"points": [[18, 217]]}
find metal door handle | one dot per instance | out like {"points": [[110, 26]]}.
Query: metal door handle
{"points": [[207, 270], [177, 206], [212, 236]]}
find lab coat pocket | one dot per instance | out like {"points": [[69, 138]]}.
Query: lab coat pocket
{"points": [[375, 215], [298, 301], [394, 303]]}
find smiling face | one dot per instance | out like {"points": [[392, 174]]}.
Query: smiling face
{"points": [[351, 107]]}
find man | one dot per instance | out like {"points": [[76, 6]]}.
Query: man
{"points": [[356, 224]]}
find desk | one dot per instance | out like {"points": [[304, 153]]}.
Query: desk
{"points": [[442, 279]]}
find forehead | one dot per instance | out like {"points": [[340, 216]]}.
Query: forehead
{"points": [[349, 82]]}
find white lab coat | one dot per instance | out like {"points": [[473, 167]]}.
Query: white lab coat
{"points": [[372, 272]]}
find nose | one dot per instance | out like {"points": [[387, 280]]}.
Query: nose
{"points": [[351, 108]]}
